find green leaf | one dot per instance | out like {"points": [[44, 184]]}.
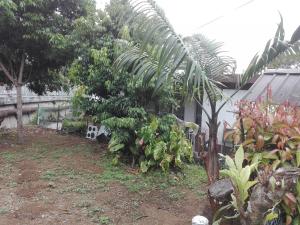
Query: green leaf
{"points": [[298, 157], [218, 222], [250, 184], [239, 158], [116, 148], [272, 181], [159, 150], [245, 174], [144, 166], [178, 161], [148, 150], [271, 216], [164, 164], [229, 162], [298, 187]]}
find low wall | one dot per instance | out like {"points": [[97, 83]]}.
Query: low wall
{"points": [[51, 102], [8, 113]]}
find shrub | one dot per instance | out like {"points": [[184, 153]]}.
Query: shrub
{"points": [[164, 144], [153, 143], [270, 135]]}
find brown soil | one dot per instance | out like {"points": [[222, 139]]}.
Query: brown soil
{"points": [[29, 197]]}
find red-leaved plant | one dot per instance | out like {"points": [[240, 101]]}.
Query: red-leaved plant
{"points": [[270, 135]]}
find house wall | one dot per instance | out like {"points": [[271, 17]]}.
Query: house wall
{"points": [[226, 114], [189, 111]]}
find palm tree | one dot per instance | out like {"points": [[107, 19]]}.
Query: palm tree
{"points": [[160, 54], [209, 56]]}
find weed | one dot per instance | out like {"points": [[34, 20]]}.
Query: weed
{"points": [[8, 156], [104, 220], [83, 204], [82, 190], [49, 175], [93, 211], [201, 194], [3, 211], [12, 184]]}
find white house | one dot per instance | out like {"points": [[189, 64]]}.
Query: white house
{"points": [[193, 113]]}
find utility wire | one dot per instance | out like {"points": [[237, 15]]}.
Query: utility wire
{"points": [[222, 16]]}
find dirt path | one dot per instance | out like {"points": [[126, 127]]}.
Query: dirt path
{"points": [[55, 179]]}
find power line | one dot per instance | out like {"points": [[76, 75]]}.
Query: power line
{"points": [[222, 16]]}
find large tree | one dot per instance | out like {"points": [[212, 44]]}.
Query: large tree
{"points": [[34, 44]]}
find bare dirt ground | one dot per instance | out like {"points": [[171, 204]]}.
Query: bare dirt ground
{"points": [[61, 179]]}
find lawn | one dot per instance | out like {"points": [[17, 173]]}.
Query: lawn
{"points": [[61, 179]]}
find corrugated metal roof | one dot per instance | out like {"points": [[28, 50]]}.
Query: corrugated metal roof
{"points": [[285, 86]]}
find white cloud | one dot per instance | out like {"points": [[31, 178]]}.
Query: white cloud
{"points": [[244, 31]]}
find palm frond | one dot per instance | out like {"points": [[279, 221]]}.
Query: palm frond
{"points": [[161, 51], [209, 55], [274, 49]]}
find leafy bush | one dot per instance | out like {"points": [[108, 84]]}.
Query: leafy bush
{"points": [[156, 142], [164, 144], [270, 135]]}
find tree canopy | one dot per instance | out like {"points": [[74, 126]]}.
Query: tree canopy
{"points": [[36, 34]]}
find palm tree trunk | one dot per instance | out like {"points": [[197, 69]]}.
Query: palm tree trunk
{"points": [[213, 162]]}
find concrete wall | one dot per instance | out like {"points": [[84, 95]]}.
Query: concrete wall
{"points": [[30, 100], [8, 96]]}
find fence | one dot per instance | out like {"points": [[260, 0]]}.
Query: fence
{"points": [[52, 117]]}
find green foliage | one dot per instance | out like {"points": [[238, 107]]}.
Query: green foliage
{"points": [[42, 41], [74, 126], [117, 99], [270, 136], [157, 143], [240, 177], [161, 52]]}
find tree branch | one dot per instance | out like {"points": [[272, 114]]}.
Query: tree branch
{"points": [[20, 77], [8, 75]]}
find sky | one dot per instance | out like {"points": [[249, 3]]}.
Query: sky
{"points": [[244, 25]]}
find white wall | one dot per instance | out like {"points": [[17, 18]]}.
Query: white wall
{"points": [[189, 111], [226, 114]]}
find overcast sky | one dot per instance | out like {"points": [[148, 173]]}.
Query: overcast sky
{"points": [[244, 25]]}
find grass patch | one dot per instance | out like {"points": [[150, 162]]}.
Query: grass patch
{"points": [[49, 175], [192, 177], [104, 220], [84, 204], [8, 156], [3, 211]]}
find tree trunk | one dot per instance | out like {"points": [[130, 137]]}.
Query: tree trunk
{"points": [[19, 115], [213, 162], [17, 82]]}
